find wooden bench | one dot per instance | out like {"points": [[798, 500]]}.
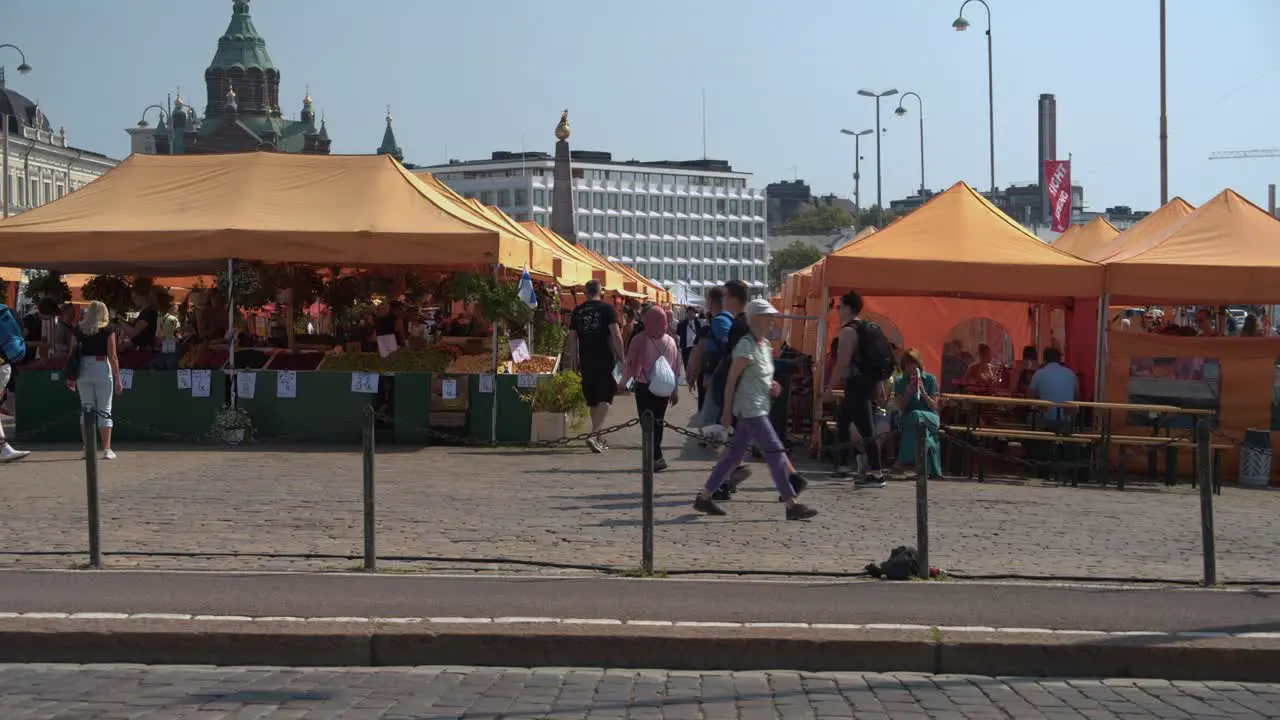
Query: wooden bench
{"points": [[1153, 445], [1020, 437]]}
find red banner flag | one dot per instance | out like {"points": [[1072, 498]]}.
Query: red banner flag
{"points": [[1057, 175]]}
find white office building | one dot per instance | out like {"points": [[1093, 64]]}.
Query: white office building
{"points": [[688, 225]]}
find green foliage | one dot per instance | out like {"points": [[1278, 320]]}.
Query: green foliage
{"points": [[818, 220], [560, 393], [256, 285], [548, 338], [114, 291], [41, 285], [795, 256], [498, 302]]}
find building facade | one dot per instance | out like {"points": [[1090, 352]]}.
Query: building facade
{"points": [[689, 225], [42, 165]]}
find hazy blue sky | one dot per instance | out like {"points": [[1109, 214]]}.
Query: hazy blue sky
{"points": [[466, 78]]}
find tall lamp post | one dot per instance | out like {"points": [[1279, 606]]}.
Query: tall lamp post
{"points": [[961, 25], [142, 122], [1164, 121], [23, 68], [879, 130], [900, 112], [857, 167]]}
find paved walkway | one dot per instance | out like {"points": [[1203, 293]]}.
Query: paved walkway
{"points": [[129, 692], [569, 506]]}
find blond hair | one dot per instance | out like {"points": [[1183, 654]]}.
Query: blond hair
{"points": [[95, 318]]}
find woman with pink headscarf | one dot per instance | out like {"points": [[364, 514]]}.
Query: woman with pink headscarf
{"points": [[643, 352]]}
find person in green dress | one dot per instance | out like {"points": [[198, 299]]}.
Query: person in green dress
{"points": [[916, 395]]}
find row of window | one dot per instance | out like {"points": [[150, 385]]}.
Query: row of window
{"points": [[659, 226], [665, 203], [611, 175], [688, 273], [25, 192], [673, 249]]}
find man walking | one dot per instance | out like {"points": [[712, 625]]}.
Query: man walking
{"points": [[687, 334], [864, 361], [595, 349]]}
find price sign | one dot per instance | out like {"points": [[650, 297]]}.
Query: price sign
{"points": [[201, 380], [126, 379], [449, 389], [246, 385], [184, 379], [286, 384], [519, 351], [366, 383], [169, 346], [486, 384], [525, 380]]}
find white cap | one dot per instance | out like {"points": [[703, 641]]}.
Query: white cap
{"points": [[760, 307]]}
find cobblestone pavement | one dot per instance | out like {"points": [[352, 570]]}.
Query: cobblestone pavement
{"points": [[571, 506], [51, 692]]}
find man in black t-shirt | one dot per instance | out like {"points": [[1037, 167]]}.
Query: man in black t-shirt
{"points": [[595, 348]]}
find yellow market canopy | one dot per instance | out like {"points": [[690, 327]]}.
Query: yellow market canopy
{"points": [[165, 214], [1082, 240], [1141, 234]]}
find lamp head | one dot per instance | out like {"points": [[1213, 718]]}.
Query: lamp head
{"points": [[960, 24], [889, 92], [900, 111], [866, 93], [24, 68], [143, 123], [847, 132]]}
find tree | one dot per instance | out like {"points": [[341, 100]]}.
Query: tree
{"points": [[818, 220], [795, 256], [870, 217]]}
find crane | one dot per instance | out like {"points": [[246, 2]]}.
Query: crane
{"points": [[1245, 154]]}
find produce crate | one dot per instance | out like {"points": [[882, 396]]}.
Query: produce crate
{"points": [[300, 361], [325, 410], [156, 410]]}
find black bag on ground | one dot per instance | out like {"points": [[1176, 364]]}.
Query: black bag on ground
{"points": [[901, 565]]}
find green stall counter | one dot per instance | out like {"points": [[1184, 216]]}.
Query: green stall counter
{"points": [[515, 414], [44, 409], [411, 408], [318, 406]]}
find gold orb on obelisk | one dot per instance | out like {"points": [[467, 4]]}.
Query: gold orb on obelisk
{"points": [[562, 130]]}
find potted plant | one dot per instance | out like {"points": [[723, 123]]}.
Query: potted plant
{"points": [[232, 425], [558, 406]]}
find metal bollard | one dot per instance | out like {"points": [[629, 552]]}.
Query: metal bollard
{"points": [[89, 425], [646, 492], [1204, 476], [922, 499], [370, 506]]}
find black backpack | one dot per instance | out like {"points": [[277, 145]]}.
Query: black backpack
{"points": [[875, 354], [901, 565]]}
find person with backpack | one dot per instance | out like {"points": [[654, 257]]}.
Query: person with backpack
{"points": [[13, 349], [864, 362], [653, 362]]}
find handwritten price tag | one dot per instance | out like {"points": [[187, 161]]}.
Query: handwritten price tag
{"points": [[126, 379], [286, 384], [201, 381], [519, 351], [525, 380], [246, 385], [486, 384], [184, 379], [366, 383], [449, 389]]}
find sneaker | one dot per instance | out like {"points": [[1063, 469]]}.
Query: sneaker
{"points": [[660, 464], [841, 474], [722, 495], [595, 445], [870, 482], [737, 477], [800, 512], [604, 444], [109, 455], [8, 454], [707, 507]]}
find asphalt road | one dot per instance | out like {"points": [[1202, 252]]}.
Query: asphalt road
{"points": [[346, 595]]}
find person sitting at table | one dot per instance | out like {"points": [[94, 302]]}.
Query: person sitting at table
{"points": [[1025, 369], [984, 372], [915, 392], [1056, 383]]}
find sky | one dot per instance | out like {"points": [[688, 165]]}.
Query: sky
{"points": [[780, 79]]}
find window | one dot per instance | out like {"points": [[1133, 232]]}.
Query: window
{"points": [[584, 223], [597, 224], [682, 204], [613, 201], [540, 198], [626, 248], [613, 224], [613, 246], [641, 202], [720, 228], [708, 251], [668, 227], [682, 272], [22, 192], [486, 197], [707, 228], [682, 227], [522, 198], [642, 226], [695, 205], [759, 252], [61, 191], [642, 248], [668, 272], [540, 218], [721, 272], [733, 250], [721, 250], [733, 229], [695, 272], [626, 202], [628, 226], [719, 207], [760, 208], [504, 198], [733, 207], [668, 204], [668, 249], [759, 230], [599, 200], [733, 272], [584, 200], [682, 249]]}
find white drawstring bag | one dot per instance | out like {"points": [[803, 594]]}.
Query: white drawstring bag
{"points": [[662, 379]]}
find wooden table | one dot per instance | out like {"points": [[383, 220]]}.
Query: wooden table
{"points": [[1105, 425]]}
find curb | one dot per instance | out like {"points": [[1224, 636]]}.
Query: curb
{"points": [[373, 644]]}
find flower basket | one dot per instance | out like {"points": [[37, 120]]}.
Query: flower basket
{"points": [[232, 426], [558, 406]]}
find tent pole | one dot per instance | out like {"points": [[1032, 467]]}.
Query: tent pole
{"points": [[231, 324], [493, 399], [1100, 364], [820, 359]]}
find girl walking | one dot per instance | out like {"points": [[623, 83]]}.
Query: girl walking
{"points": [[99, 373], [748, 396], [653, 343]]}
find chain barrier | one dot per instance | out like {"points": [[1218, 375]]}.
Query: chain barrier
{"points": [[462, 440]]}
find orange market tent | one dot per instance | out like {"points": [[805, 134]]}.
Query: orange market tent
{"points": [[1226, 251], [960, 245], [1082, 240], [167, 214], [1142, 233]]}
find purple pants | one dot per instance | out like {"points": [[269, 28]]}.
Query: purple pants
{"points": [[756, 431]]}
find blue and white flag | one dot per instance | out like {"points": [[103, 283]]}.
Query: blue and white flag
{"points": [[527, 295]]}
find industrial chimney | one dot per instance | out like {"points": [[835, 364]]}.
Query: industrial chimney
{"points": [[1048, 147]]}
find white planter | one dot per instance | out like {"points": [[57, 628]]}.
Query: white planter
{"points": [[233, 437], [549, 426]]}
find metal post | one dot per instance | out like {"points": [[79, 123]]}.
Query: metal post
{"points": [[89, 425], [1164, 119], [1271, 199], [857, 176], [922, 499], [879, 198], [646, 492], [921, 151], [370, 505], [991, 106], [1204, 476], [4, 120]]}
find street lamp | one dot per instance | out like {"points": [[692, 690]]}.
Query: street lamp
{"points": [[857, 167], [902, 111], [879, 130], [23, 68], [142, 122], [961, 25]]}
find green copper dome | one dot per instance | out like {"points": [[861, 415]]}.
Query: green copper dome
{"points": [[241, 45]]}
